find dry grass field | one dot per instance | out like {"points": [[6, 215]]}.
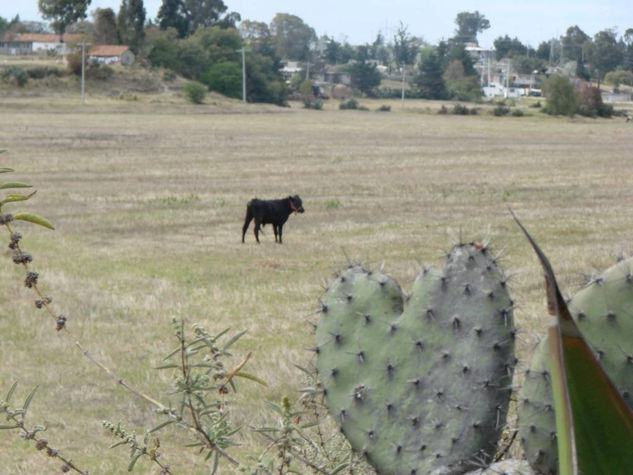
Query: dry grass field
{"points": [[148, 200]]}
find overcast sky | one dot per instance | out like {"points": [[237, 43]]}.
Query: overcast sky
{"points": [[359, 21]]}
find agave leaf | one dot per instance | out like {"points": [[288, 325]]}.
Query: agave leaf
{"points": [[601, 423], [563, 410], [6, 186], [13, 198], [34, 218]]}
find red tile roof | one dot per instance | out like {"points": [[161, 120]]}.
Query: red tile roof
{"points": [[50, 38], [108, 51]]}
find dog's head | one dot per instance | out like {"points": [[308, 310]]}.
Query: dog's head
{"points": [[296, 204]]}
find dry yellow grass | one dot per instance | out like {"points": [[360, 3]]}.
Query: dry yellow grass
{"points": [[148, 198]]}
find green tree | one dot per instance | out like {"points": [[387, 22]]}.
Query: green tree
{"points": [[224, 77], [63, 13], [405, 47], [429, 80], [202, 13], [561, 96], [365, 77], [458, 52], [469, 25], [171, 14], [105, 28], [291, 37], [131, 24], [605, 53], [543, 50], [506, 47], [574, 42], [332, 51], [257, 36]]}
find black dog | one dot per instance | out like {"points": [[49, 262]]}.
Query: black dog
{"points": [[273, 212]]}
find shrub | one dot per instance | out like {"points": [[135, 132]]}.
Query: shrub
{"points": [[169, 75], [561, 97], [384, 108], [590, 103], [73, 63], [98, 71], [350, 104], [518, 113], [500, 110], [195, 92], [15, 76], [442, 110], [224, 77]]}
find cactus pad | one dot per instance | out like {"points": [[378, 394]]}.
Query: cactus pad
{"points": [[603, 311], [420, 383]]}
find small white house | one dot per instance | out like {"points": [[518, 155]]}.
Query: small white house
{"points": [[42, 43], [111, 54]]}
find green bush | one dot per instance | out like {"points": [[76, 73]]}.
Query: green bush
{"points": [[561, 97], [224, 77], [350, 104], [15, 76], [518, 113], [500, 110], [384, 108], [98, 71], [169, 75], [195, 92]]}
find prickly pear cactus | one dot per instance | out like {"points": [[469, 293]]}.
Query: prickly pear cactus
{"points": [[603, 311], [420, 383]]}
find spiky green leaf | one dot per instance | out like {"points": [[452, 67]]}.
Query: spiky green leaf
{"points": [[6, 186], [161, 425], [133, 461], [35, 219], [14, 197]]}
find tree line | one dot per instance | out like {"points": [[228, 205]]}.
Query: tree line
{"points": [[199, 39]]}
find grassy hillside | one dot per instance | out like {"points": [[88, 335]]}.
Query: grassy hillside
{"points": [[148, 198]]}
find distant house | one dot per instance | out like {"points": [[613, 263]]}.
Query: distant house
{"points": [[43, 43], [111, 54]]}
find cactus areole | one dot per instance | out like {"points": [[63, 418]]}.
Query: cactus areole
{"points": [[420, 383]]}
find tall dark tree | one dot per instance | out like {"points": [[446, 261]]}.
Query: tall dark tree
{"points": [[605, 53], [292, 37], [332, 51], [574, 42], [469, 25], [105, 28], [365, 77], [429, 80], [627, 62], [405, 46], [63, 13], [202, 13], [136, 22], [458, 53], [256, 35], [171, 14], [506, 47]]}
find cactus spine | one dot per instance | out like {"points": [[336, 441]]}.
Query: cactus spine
{"points": [[420, 383]]}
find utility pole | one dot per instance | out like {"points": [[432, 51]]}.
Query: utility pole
{"points": [[243, 51], [403, 73], [83, 72]]}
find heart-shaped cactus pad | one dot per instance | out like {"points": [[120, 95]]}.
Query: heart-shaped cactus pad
{"points": [[420, 383]]}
